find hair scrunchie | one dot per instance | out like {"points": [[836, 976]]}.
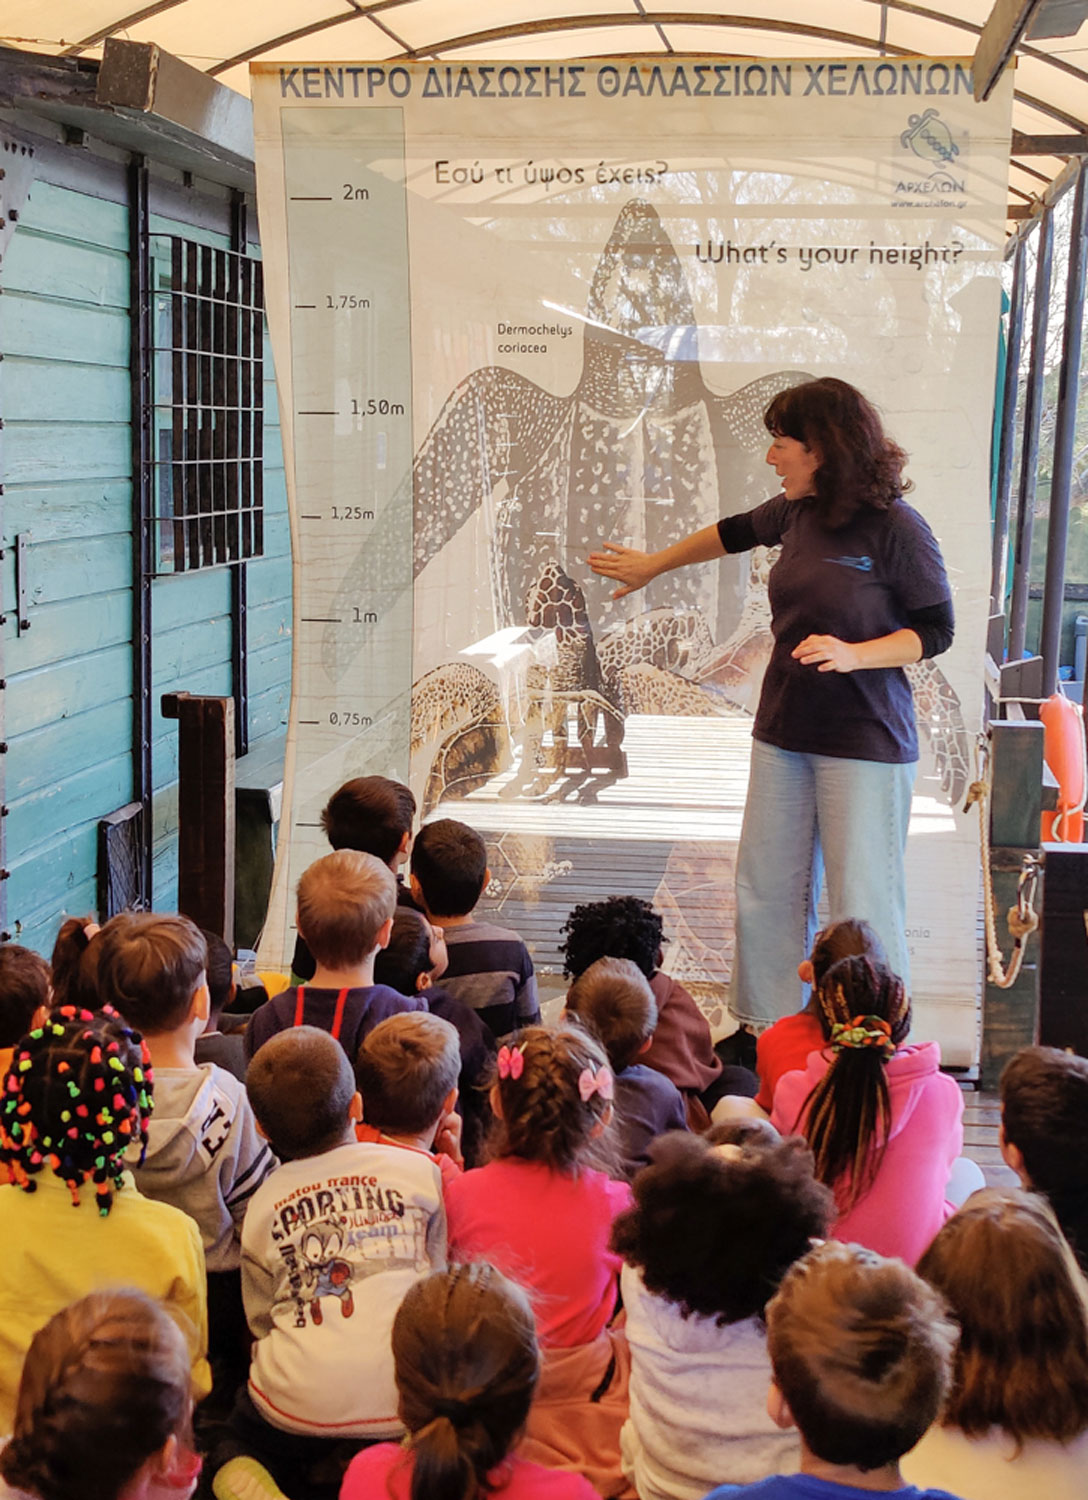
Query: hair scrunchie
{"points": [[864, 1032]]}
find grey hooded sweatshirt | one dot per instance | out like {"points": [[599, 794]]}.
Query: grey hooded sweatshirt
{"points": [[204, 1155]]}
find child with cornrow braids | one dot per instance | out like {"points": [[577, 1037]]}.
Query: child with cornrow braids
{"points": [[467, 1365], [104, 1407], [77, 1094], [884, 1123], [541, 1211]]}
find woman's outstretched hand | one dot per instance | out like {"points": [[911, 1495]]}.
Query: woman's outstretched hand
{"points": [[628, 566]]}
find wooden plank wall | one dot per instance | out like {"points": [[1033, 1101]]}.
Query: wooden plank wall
{"points": [[64, 333]]}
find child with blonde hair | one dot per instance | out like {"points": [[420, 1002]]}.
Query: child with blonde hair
{"points": [[541, 1211], [346, 903]]}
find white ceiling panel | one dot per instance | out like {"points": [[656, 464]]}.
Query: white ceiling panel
{"points": [[602, 41], [741, 42], [212, 34], [422, 21]]}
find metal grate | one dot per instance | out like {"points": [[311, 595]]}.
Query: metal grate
{"points": [[120, 871], [208, 404]]}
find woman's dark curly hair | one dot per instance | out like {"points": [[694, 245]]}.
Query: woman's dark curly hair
{"points": [[859, 464], [715, 1228], [621, 927]]}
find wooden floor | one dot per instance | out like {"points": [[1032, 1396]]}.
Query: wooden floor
{"points": [[981, 1118]]}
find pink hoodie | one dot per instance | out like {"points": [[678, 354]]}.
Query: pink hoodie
{"points": [[905, 1206]]}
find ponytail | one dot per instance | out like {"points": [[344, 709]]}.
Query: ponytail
{"points": [[467, 1366], [846, 1118]]}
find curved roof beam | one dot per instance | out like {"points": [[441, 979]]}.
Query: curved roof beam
{"points": [[663, 18]]}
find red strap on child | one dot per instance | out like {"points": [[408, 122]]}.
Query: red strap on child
{"points": [[338, 1013]]}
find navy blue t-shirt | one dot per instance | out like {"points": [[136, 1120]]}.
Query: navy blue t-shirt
{"points": [[857, 582], [808, 1487]]}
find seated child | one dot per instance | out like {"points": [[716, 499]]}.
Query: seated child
{"points": [[488, 967], [225, 1048], [1016, 1422], [345, 911], [331, 1243], [25, 993], [411, 963], [104, 1406], [1044, 1134], [884, 1123], [713, 1231], [861, 1351], [467, 1366], [614, 1001], [406, 1072], [785, 1046], [78, 1092], [204, 1153], [73, 963], [542, 1213], [373, 815], [627, 927]]}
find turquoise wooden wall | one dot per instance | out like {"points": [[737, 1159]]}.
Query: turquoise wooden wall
{"points": [[67, 472]]}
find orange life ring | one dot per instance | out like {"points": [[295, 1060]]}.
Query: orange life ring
{"points": [[1063, 747]]}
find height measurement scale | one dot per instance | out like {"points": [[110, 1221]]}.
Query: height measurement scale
{"points": [[350, 397]]}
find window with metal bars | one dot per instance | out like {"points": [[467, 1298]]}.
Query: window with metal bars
{"points": [[208, 325]]}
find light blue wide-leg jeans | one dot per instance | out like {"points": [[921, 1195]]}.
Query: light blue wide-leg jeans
{"points": [[807, 815]]}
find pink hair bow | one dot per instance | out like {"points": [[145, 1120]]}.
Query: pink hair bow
{"points": [[590, 1083], [511, 1062]]}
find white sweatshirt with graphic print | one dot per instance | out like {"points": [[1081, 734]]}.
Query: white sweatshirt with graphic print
{"points": [[330, 1245]]}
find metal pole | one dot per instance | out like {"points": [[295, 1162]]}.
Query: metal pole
{"points": [[1029, 457], [1000, 560], [239, 583], [1064, 434], [141, 355]]}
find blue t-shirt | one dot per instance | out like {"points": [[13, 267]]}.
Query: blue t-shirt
{"points": [[808, 1487], [858, 582]]}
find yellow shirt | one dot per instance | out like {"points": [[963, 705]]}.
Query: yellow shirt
{"points": [[54, 1253]]}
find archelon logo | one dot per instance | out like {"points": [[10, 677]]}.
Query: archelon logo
{"points": [[929, 137]]}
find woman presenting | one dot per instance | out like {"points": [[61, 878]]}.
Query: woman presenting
{"points": [[858, 592]]}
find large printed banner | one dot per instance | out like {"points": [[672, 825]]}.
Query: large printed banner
{"points": [[519, 309]]}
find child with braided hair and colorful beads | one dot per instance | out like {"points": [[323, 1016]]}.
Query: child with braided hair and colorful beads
{"points": [[77, 1094], [884, 1123], [541, 1211]]}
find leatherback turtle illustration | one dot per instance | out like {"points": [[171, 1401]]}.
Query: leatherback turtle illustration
{"points": [[644, 450]]}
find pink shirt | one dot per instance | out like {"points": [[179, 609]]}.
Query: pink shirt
{"points": [[386, 1471], [905, 1206], [548, 1232]]}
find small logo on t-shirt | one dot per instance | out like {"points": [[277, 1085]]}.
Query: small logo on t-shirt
{"points": [[862, 564]]}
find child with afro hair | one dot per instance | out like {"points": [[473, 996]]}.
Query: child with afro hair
{"points": [[712, 1232]]}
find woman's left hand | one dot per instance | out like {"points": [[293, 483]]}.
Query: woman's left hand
{"points": [[828, 654]]}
